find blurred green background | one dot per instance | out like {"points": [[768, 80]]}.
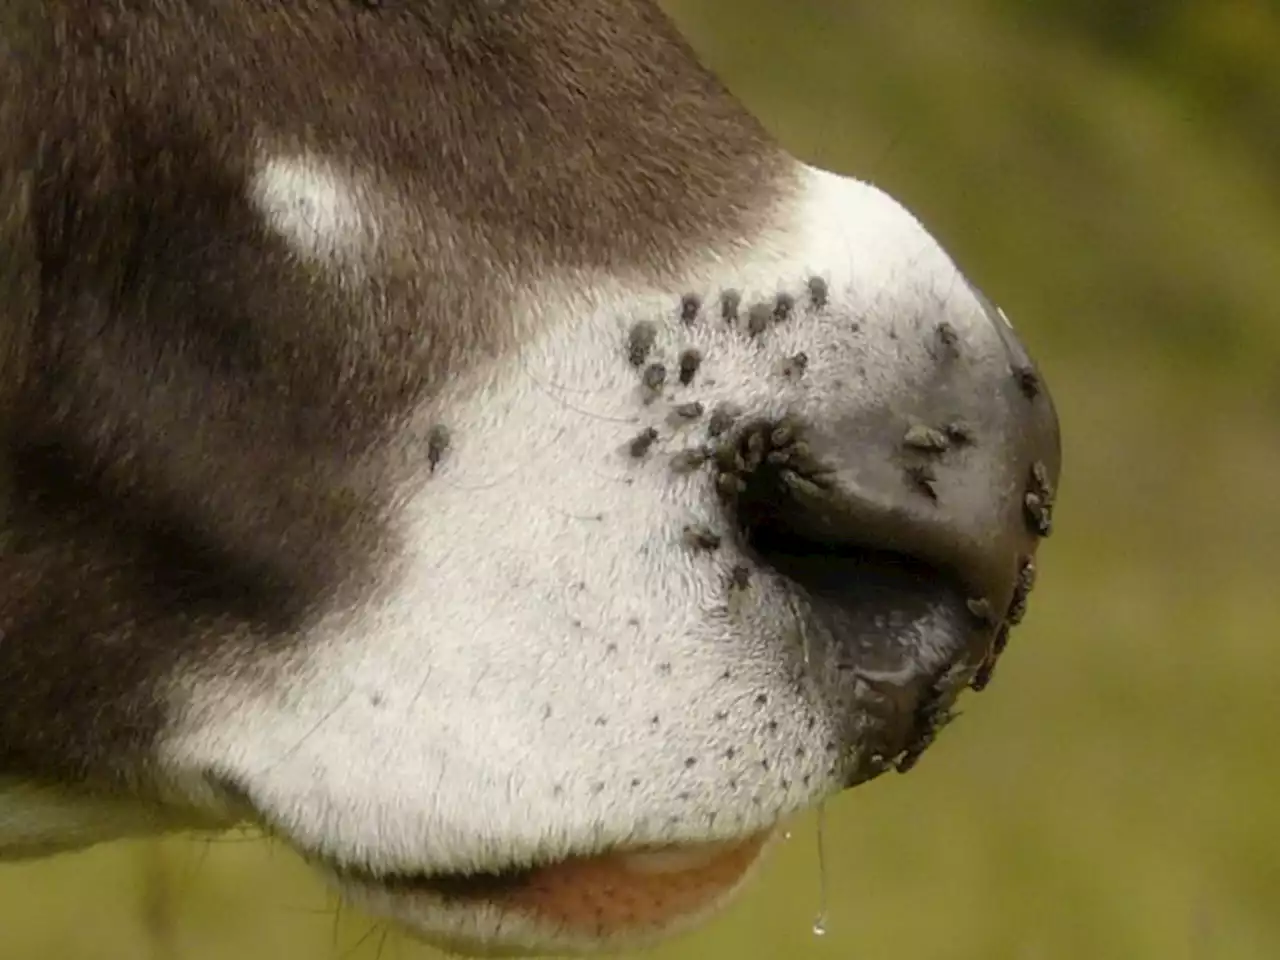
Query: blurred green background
{"points": [[1109, 171]]}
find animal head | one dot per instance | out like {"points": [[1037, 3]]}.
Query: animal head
{"points": [[458, 439]]}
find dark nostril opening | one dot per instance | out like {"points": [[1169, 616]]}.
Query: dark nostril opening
{"points": [[814, 564], [766, 508], [856, 548], [850, 575], [904, 638], [835, 490]]}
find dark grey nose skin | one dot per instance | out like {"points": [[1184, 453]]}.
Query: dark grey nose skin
{"points": [[933, 497], [958, 471], [961, 475]]}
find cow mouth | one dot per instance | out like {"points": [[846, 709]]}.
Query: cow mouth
{"points": [[626, 895], [633, 896]]}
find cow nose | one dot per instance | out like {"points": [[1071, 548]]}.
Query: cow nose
{"points": [[939, 485]]}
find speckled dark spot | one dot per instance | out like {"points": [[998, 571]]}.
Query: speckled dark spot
{"points": [[640, 341], [1028, 381], [438, 440], [654, 376], [949, 337], [1038, 500], [983, 675], [722, 418], [923, 479], [959, 433], [701, 537], [1000, 642], [690, 361], [689, 461], [730, 302], [758, 319], [1021, 592], [793, 368], [819, 292], [642, 442], [783, 306], [690, 763], [932, 714], [1038, 515], [740, 577], [690, 304], [926, 439], [777, 443]]}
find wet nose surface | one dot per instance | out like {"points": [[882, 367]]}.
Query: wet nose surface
{"points": [[936, 494], [961, 474]]}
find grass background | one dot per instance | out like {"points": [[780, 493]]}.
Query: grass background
{"points": [[1109, 171]]}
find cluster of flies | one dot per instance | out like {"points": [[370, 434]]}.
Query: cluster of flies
{"points": [[736, 454]]}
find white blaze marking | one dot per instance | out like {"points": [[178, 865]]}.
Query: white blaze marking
{"points": [[326, 214]]}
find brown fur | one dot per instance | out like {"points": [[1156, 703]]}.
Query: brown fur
{"points": [[190, 417]]}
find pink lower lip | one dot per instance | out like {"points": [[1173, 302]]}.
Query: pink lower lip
{"points": [[615, 894]]}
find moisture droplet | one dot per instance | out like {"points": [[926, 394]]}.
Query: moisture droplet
{"points": [[820, 922], [786, 835]]}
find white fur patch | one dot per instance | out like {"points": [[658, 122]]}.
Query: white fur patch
{"points": [[326, 214]]}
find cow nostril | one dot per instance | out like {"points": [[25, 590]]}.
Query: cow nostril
{"points": [[904, 639], [765, 509], [833, 492], [794, 512], [844, 573], [829, 514]]}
